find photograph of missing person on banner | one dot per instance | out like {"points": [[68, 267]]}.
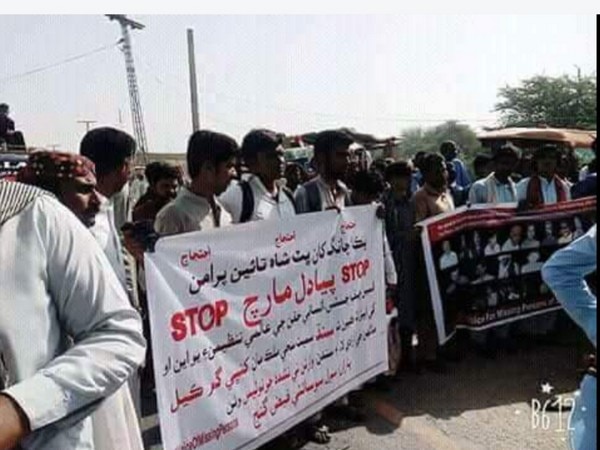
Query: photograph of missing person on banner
{"points": [[489, 274]]}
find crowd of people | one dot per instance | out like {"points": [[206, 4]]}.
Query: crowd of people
{"points": [[78, 276]]}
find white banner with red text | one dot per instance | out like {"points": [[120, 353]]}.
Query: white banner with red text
{"points": [[257, 327]]}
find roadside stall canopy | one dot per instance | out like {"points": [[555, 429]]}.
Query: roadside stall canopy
{"points": [[568, 137]]}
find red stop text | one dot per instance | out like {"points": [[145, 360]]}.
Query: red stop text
{"points": [[191, 321], [355, 271]]}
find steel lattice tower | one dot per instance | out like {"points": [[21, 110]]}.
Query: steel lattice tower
{"points": [[134, 94]]}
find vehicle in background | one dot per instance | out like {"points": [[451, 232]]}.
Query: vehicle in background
{"points": [[299, 148], [575, 144], [10, 164], [300, 155]]}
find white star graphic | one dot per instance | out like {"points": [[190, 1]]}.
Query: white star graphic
{"points": [[547, 388]]}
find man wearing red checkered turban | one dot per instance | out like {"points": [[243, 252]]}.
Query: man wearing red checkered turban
{"points": [[70, 177]]}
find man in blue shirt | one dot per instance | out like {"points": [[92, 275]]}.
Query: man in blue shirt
{"points": [[587, 186], [459, 194], [497, 187], [417, 175], [565, 273], [450, 151]]}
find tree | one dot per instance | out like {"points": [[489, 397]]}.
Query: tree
{"points": [[430, 139], [561, 102]]}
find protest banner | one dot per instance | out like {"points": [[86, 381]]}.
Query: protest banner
{"points": [[484, 261], [257, 327]]}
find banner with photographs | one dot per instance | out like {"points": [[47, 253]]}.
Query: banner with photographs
{"points": [[484, 261]]}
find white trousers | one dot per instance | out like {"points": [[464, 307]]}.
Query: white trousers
{"points": [[116, 424]]}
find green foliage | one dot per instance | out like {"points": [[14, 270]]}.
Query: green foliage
{"points": [[430, 139], [561, 102]]}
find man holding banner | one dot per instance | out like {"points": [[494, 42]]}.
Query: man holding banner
{"points": [[514, 270], [545, 187], [431, 200], [325, 192], [211, 165], [250, 343], [498, 187], [258, 196]]}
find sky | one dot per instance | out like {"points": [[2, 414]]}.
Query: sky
{"points": [[290, 73]]}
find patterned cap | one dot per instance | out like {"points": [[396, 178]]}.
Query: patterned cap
{"points": [[46, 166]]}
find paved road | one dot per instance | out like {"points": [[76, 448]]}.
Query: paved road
{"points": [[479, 405]]}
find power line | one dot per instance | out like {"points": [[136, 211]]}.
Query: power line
{"points": [[57, 64], [392, 118], [396, 118], [400, 118]]}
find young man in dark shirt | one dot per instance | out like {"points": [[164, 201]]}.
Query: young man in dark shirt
{"points": [[7, 125], [163, 179], [327, 190]]}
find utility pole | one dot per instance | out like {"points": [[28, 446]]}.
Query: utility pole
{"points": [[134, 95], [53, 147], [193, 82], [578, 95], [87, 124]]}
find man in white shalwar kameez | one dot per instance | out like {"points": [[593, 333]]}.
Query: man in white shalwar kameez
{"points": [[72, 179], [68, 335], [112, 152]]}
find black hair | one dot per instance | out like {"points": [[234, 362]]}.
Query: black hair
{"points": [[291, 166], [398, 169], [4, 107], [431, 161], [481, 160], [327, 141], [158, 170], [368, 182], [506, 150], [418, 158], [379, 165], [107, 148], [448, 146], [260, 140], [209, 147], [546, 149]]}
